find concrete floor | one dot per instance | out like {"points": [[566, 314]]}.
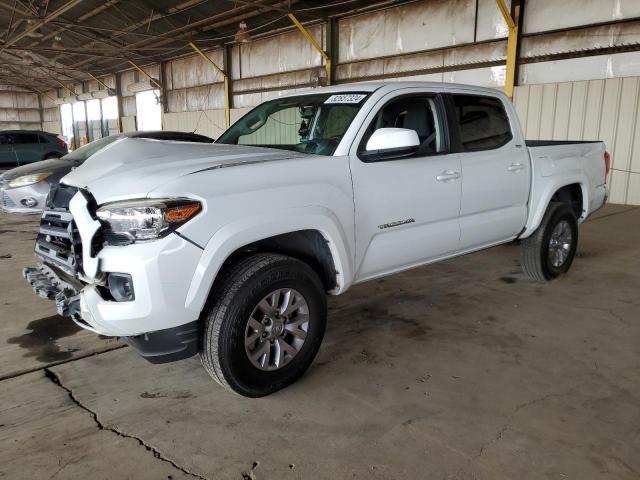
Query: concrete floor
{"points": [[460, 370]]}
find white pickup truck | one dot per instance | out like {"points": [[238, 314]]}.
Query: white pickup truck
{"points": [[228, 250]]}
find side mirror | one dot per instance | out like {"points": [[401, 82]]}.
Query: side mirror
{"points": [[389, 143]]}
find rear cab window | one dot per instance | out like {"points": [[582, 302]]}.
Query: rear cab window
{"points": [[481, 122]]}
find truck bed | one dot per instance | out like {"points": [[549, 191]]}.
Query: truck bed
{"points": [[555, 163]]}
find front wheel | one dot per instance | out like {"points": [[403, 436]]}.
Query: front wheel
{"points": [[264, 324], [550, 250]]}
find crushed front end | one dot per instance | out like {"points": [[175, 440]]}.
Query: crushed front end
{"points": [[135, 291]]}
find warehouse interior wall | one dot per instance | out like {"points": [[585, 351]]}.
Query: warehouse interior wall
{"points": [[604, 110], [19, 109], [570, 59]]}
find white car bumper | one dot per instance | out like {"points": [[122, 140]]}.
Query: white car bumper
{"points": [[28, 199], [161, 272], [154, 319]]}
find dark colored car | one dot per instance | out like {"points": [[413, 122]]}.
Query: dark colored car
{"points": [[24, 189], [18, 147]]}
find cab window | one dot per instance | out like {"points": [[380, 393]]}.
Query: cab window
{"points": [[418, 113], [482, 122]]}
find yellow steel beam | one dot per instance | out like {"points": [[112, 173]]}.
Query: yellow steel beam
{"points": [[154, 82], [151, 79], [44, 93], [315, 44], [100, 81], [65, 87], [506, 13], [512, 45], [225, 76]]}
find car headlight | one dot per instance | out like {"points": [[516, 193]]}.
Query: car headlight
{"points": [[25, 180], [132, 221]]}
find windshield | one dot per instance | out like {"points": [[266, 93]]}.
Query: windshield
{"points": [[84, 152], [308, 123]]}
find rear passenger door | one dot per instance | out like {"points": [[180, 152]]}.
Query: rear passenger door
{"points": [[495, 170]]}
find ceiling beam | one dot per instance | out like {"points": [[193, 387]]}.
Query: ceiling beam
{"points": [[209, 23], [55, 14], [79, 20], [16, 9]]}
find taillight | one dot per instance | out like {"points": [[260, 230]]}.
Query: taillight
{"points": [[61, 142], [607, 163]]}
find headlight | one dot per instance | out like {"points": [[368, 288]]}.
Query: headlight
{"points": [[25, 180], [140, 220]]}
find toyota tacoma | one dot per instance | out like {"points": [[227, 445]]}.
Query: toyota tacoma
{"points": [[228, 250]]}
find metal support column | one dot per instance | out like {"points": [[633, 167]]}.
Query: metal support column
{"points": [[225, 76], [163, 92], [315, 44], [332, 48], [513, 23], [228, 83], [119, 101]]}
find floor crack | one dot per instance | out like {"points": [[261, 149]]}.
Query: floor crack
{"points": [[51, 375], [505, 426]]}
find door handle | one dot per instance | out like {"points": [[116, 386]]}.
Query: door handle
{"points": [[515, 167], [447, 176]]}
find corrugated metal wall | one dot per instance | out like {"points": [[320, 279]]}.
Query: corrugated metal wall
{"points": [[571, 89], [590, 110], [19, 110], [204, 122]]}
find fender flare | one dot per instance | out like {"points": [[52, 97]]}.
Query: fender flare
{"points": [[544, 193], [235, 235]]}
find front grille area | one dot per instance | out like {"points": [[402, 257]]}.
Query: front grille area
{"points": [[58, 241]]}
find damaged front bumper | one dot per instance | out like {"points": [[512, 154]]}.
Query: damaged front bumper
{"points": [[51, 285], [75, 274]]}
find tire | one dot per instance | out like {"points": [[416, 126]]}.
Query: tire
{"points": [[539, 254], [236, 305]]}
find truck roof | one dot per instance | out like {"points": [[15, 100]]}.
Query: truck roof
{"points": [[392, 85]]}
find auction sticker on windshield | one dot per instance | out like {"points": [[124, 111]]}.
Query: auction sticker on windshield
{"points": [[345, 98]]}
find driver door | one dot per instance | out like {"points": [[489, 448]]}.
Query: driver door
{"points": [[407, 209]]}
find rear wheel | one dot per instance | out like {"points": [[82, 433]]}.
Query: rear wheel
{"points": [[263, 325], [51, 156], [550, 250]]}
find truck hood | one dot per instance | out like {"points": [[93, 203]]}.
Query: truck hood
{"points": [[132, 167]]}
